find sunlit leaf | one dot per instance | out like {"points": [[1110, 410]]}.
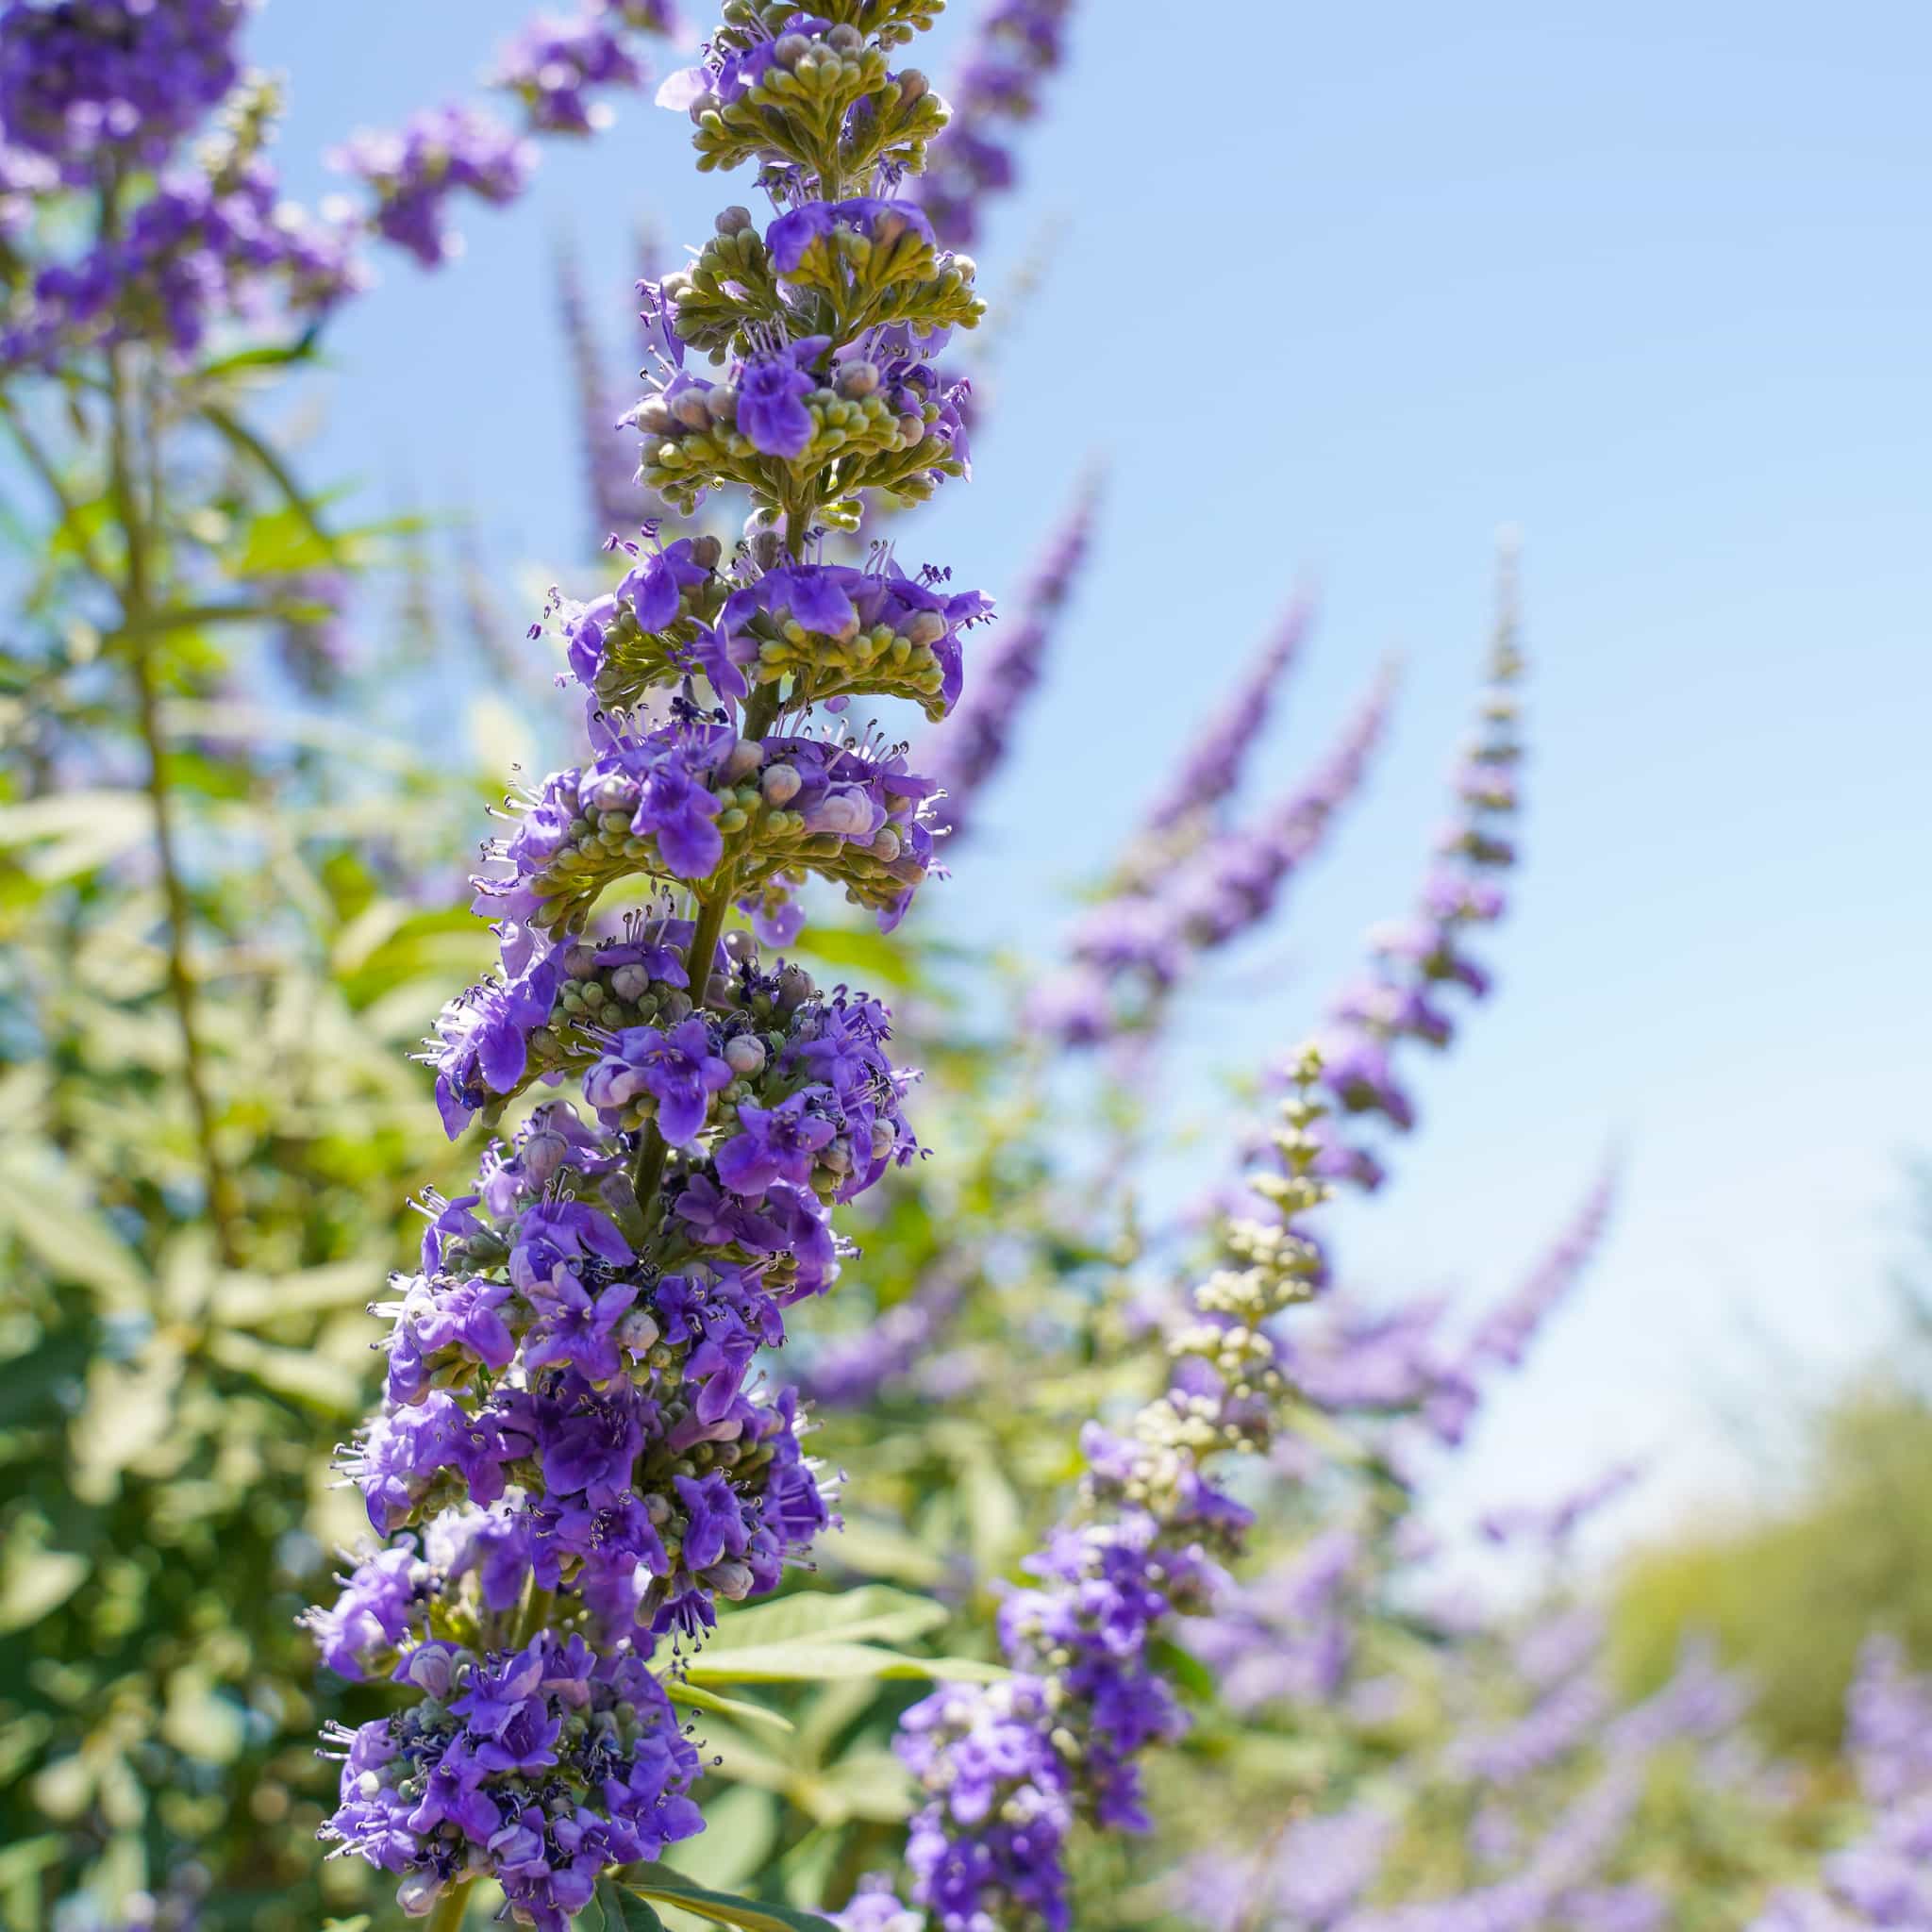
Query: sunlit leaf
{"points": [[723, 1908]]}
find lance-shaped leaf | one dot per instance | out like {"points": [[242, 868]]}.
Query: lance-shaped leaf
{"points": [[722, 1908]]}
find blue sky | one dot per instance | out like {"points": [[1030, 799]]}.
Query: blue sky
{"points": [[1340, 291]]}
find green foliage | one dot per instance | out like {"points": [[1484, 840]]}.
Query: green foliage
{"points": [[1791, 1593]]}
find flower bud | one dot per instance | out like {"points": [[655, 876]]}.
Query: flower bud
{"points": [[789, 49], [845, 39], [653, 416], [614, 792], [859, 377], [781, 784], [580, 961], [794, 988], [636, 1332], [631, 983], [430, 1670], [744, 759], [718, 990], [721, 404], [733, 220], [913, 85], [418, 1892], [740, 946], [885, 847], [706, 551], [928, 627], [744, 1054], [730, 1578], [677, 1007], [690, 408], [884, 1137], [544, 1154]]}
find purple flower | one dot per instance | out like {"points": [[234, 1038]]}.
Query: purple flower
{"points": [[777, 1143], [592, 1452], [676, 807], [771, 404], [438, 153], [114, 77], [577, 1327], [677, 1069]]}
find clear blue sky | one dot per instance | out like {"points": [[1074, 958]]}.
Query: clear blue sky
{"points": [[1342, 289]]}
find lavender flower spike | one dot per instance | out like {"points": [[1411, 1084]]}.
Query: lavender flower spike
{"points": [[974, 741], [1211, 767], [1015, 45], [1009, 1768], [1415, 962], [580, 1456], [1506, 1331]]}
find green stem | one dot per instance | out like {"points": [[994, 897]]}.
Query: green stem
{"points": [[533, 1616], [137, 622], [41, 465], [446, 1914], [648, 1169]]}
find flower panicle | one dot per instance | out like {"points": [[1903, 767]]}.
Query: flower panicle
{"points": [[965, 755], [1009, 1769], [1415, 962], [583, 1446]]}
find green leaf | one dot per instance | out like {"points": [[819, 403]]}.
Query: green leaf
{"points": [[625, 1911], [723, 1908], [872, 1610], [817, 1663], [49, 1212], [681, 1692], [1186, 1669], [248, 443]]}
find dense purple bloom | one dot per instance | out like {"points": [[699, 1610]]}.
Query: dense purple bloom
{"points": [[437, 154], [552, 63], [965, 755], [616, 1771], [199, 249], [770, 403], [1212, 766], [83, 79], [1017, 44], [677, 1069]]}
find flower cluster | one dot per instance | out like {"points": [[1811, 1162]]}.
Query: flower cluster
{"points": [[1008, 1768], [211, 240], [1881, 1877], [1414, 961], [574, 1428], [690, 802], [91, 80], [543, 1766], [1016, 45], [414, 171], [1131, 950], [550, 68], [552, 63], [794, 410], [833, 629], [579, 1452], [965, 755]]}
